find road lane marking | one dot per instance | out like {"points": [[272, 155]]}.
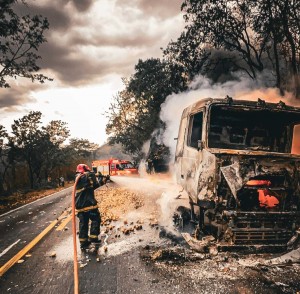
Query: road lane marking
{"points": [[6, 213], [9, 247], [64, 223], [29, 246]]}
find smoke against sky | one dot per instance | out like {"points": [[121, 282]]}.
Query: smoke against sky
{"points": [[201, 88], [90, 46]]}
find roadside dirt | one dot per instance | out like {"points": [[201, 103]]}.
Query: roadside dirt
{"points": [[18, 199]]}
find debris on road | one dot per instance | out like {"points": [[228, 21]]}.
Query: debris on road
{"points": [[52, 254], [115, 202], [288, 258], [200, 246], [82, 265]]}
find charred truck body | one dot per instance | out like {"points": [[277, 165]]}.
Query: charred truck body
{"points": [[234, 160]]}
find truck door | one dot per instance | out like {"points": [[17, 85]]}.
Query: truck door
{"points": [[192, 152], [179, 149], [113, 169]]}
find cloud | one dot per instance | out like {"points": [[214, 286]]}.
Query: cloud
{"points": [[89, 41], [109, 38], [11, 97], [58, 18], [83, 5], [155, 8]]}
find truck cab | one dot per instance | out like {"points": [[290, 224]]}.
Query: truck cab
{"points": [[235, 160], [114, 167]]}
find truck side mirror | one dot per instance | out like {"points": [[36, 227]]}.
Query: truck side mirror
{"points": [[200, 145]]}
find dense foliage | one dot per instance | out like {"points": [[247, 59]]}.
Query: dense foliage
{"points": [[20, 38], [33, 154], [225, 36]]}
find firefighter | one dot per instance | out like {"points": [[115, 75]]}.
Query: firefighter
{"points": [[100, 178], [87, 206], [62, 181]]}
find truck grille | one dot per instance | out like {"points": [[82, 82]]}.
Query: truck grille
{"points": [[264, 227]]}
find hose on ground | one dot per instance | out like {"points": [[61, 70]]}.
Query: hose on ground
{"points": [[76, 280]]}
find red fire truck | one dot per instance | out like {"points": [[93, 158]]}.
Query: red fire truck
{"points": [[114, 167]]}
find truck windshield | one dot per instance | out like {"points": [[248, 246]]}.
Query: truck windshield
{"points": [[250, 128], [127, 165]]}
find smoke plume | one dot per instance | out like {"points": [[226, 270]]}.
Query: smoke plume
{"points": [[201, 87]]}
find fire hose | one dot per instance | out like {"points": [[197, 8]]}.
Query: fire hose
{"points": [[76, 280]]}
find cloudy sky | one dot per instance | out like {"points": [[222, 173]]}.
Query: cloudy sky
{"points": [[91, 45]]}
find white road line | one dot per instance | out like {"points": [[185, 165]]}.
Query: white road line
{"points": [[9, 247], [4, 214]]}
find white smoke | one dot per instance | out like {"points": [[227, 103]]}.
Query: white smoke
{"points": [[201, 87], [143, 164], [168, 206]]}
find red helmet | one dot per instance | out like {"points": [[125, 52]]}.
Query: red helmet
{"points": [[81, 168]]}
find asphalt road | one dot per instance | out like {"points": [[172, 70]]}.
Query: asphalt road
{"points": [[18, 228]]}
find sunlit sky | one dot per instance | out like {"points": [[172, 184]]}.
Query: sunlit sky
{"points": [[91, 46]]}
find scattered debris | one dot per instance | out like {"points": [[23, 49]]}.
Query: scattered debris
{"points": [[20, 261], [281, 284], [153, 222], [52, 254], [213, 250], [120, 201], [138, 227], [174, 254], [201, 246], [248, 262], [288, 258]]}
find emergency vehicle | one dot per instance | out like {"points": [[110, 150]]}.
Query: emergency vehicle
{"points": [[114, 167]]}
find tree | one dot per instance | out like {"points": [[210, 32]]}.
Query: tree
{"points": [[27, 143], [279, 20], [222, 25], [3, 158], [82, 148], [124, 117], [134, 113], [40, 147], [20, 38], [244, 35], [54, 155]]}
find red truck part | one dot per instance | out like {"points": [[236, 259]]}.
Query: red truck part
{"points": [[114, 167]]}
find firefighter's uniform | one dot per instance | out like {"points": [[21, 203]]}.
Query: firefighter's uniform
{"points": [[86, 206]]}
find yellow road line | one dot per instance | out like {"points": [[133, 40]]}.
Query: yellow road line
{"points": [[29, 246], [64, 223]]}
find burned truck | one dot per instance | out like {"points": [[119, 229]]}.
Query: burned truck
{"points": [[234, 159]]}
